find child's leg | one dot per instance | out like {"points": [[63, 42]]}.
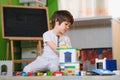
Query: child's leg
{"points": [[53, 65], [40, 64]]}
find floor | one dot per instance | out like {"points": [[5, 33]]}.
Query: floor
{"points": [[60, 78]]}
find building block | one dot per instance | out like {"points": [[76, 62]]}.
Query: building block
{"points": [[68, 55], [108, 64], [8, 64], [70, 68]]}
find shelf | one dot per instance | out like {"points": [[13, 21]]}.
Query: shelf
{"points": [[22, 61], [92, 20], [117, 20]]}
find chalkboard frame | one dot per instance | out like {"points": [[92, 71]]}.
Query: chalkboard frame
{"points": [[20, 37]]}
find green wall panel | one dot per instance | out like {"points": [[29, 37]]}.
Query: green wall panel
{"points": [[52, 6], [3, 2], [3, 41]]}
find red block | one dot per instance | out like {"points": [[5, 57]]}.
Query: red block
{"points": [[29, 73], [58, 73]]}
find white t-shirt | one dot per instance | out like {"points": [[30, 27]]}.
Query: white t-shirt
{"points": [[50, 36]]}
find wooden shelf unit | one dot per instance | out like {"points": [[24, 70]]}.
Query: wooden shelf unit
{"points": [[38, 53], [116, 41]]}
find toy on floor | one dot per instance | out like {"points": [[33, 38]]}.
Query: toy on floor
{"points": [[58, 73], [8, 64], [69, 61], [105, 67], [106, 64]]}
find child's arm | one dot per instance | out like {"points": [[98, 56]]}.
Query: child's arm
{"points": [[52, 46]]}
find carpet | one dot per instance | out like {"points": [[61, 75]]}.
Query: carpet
{"points": [[60, 78]]}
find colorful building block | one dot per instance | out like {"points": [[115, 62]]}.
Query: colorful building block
{"points": [[68, 54], [8, 64], [58, 73], [107, 64], [70, 68]]}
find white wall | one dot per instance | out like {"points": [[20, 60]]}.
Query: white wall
{"points": [[113, 6]]}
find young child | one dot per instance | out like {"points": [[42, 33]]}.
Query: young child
{"points": [[49, 60]]}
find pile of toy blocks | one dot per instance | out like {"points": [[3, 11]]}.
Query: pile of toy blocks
{"points": [[69, 63]]}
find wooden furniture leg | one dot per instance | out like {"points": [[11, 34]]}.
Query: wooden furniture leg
{"points": [[7, 50], [39, 48], [12, 52]]}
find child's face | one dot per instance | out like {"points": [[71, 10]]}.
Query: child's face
{"points": [[64, 26]]}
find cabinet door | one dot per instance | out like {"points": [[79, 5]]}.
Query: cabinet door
{"points": [[116, 41]]}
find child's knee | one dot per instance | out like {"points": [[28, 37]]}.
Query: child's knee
{"points": [[53, 68], [25, 69]]}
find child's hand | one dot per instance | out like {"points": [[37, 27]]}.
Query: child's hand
{"points": [[63, 46]]}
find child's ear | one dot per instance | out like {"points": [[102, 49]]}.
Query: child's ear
{"points": [[57, 22]]}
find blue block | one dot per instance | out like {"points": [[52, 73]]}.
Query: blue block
{"points": [[24, 74], [68, 56], [111, 65]]}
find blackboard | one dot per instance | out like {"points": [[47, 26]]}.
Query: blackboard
{"points": [[21, 22]]}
